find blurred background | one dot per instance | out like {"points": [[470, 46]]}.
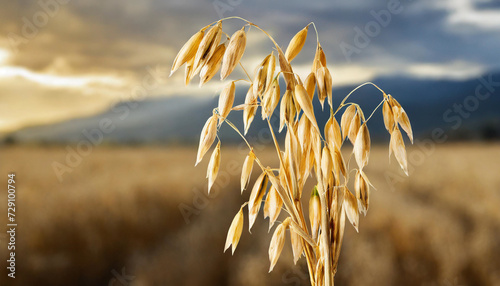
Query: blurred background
{"points": [[103, 142]]}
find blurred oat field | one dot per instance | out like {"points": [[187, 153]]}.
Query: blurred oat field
{"points": [[118, 212]]}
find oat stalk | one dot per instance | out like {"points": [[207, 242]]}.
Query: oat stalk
{"points": [[307, 155]]}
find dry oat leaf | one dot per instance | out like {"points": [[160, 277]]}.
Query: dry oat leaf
{"points": [[362, 146], [277, 243], [324, 79], [319, 59], [188, 51], [207, 137], [345, 121], [213, 166], [272, 206], [305, 103], [258, 191], [310, 84], [207, 46], [297, 247], [351, 208], [404, 121], [212, 66], [362, 189], [235, 230], [234, 52], [249, 111], [296, 44], [226, 100], [314, 212], [388, 116], [397, 146], [246, 170], [354, 127]]}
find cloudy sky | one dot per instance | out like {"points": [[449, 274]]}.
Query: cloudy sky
{"points": [[71, 58]]}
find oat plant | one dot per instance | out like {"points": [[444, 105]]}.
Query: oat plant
{"points": [[311, 152]]}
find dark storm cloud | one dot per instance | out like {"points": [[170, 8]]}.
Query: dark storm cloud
{"points": [[125, 36]]}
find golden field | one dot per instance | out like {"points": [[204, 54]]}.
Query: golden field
{"points": [[116, 219]]}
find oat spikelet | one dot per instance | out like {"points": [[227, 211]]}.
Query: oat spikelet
{"points": [[246, 170], [345, 121], [305, 103], [234, 52], [388, 116], [314, 212], [250, 109], [213, 166], [319, 59], [404, 121], [188, 51], [277, 243], [362, 146], [362, 192], [287, 71], [324, 79], [297, 247], [354, 127], [272, 206], [207, 137], [235, 230], [207, 46], [260, 79], [351, 209], [271, 67], [310, 84], [212, 66], [258, 191], [189, 71], [296, 44], [226, 100], [397, 146]]}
